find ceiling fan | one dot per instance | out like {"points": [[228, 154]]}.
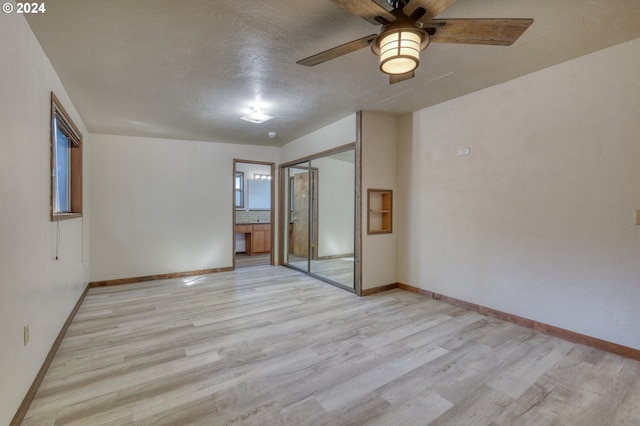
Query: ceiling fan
{"points": [[408, 29]]}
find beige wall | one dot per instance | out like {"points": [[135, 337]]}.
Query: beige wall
{"points": [[340, 133], [163, 205], [379, 171], [35, 289], [539, 220]]}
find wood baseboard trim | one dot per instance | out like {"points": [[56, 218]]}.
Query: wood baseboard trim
{"points": [[31, 393], [562, 333], [379, 289], [122, 281]]}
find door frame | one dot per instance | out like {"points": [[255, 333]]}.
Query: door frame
{"points": [[273, 205]]}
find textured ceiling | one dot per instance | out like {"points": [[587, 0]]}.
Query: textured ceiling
{"points": [[189, 69]]}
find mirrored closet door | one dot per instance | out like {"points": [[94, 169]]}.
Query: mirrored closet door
{"points": [[319, 209]]}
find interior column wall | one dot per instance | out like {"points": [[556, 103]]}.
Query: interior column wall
{"points": [[379, 171]]}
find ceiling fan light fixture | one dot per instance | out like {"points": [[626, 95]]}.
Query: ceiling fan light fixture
{"points": [[400, 50], [402, 37], [399, 45]]}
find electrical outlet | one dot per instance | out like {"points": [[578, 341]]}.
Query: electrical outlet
{"points": [[26, 334]]}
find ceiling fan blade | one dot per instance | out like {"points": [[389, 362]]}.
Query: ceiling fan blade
{"points": [[338, 51], [418, 13], [368, 10], [397, 78], [433, 7], [499, 32]]}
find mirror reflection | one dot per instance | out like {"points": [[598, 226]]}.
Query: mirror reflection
{"points": [[319, 200], [335, 192]]}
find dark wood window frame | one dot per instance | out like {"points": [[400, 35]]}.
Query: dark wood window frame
{"points": [[60, 119]]}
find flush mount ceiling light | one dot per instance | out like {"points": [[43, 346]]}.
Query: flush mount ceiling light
{"points": [[256, 116]]}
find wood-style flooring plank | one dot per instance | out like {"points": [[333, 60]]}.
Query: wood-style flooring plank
{"points": [[271, 346]]}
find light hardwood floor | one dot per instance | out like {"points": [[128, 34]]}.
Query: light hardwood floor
{"points": [[271, 346], [243, 260]]}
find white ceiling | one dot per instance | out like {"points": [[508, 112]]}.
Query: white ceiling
{"points": [[189, 69]]}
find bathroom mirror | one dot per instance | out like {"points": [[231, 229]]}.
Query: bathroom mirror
{"points": [[259, 194]]}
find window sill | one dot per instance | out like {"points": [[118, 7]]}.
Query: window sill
{"points": [[64, 216]]}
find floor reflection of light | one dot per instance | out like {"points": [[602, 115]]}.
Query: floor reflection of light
{"points": [[193, 281]]}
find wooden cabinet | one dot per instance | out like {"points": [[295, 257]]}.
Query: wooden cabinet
{"points": [[257, 238], [379, 211], [243, 229]]}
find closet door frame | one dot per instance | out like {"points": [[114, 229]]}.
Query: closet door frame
{"points": [[285, 210]]}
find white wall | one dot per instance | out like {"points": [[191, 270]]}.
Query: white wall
{"points": [[163, 206], [35, 289], [379, 171], [539, 220]]}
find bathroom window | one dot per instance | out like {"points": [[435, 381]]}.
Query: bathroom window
{"points": [[239, 190]]}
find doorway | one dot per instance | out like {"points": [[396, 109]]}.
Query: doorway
{"points": [[318, 213], [253, 213]]}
